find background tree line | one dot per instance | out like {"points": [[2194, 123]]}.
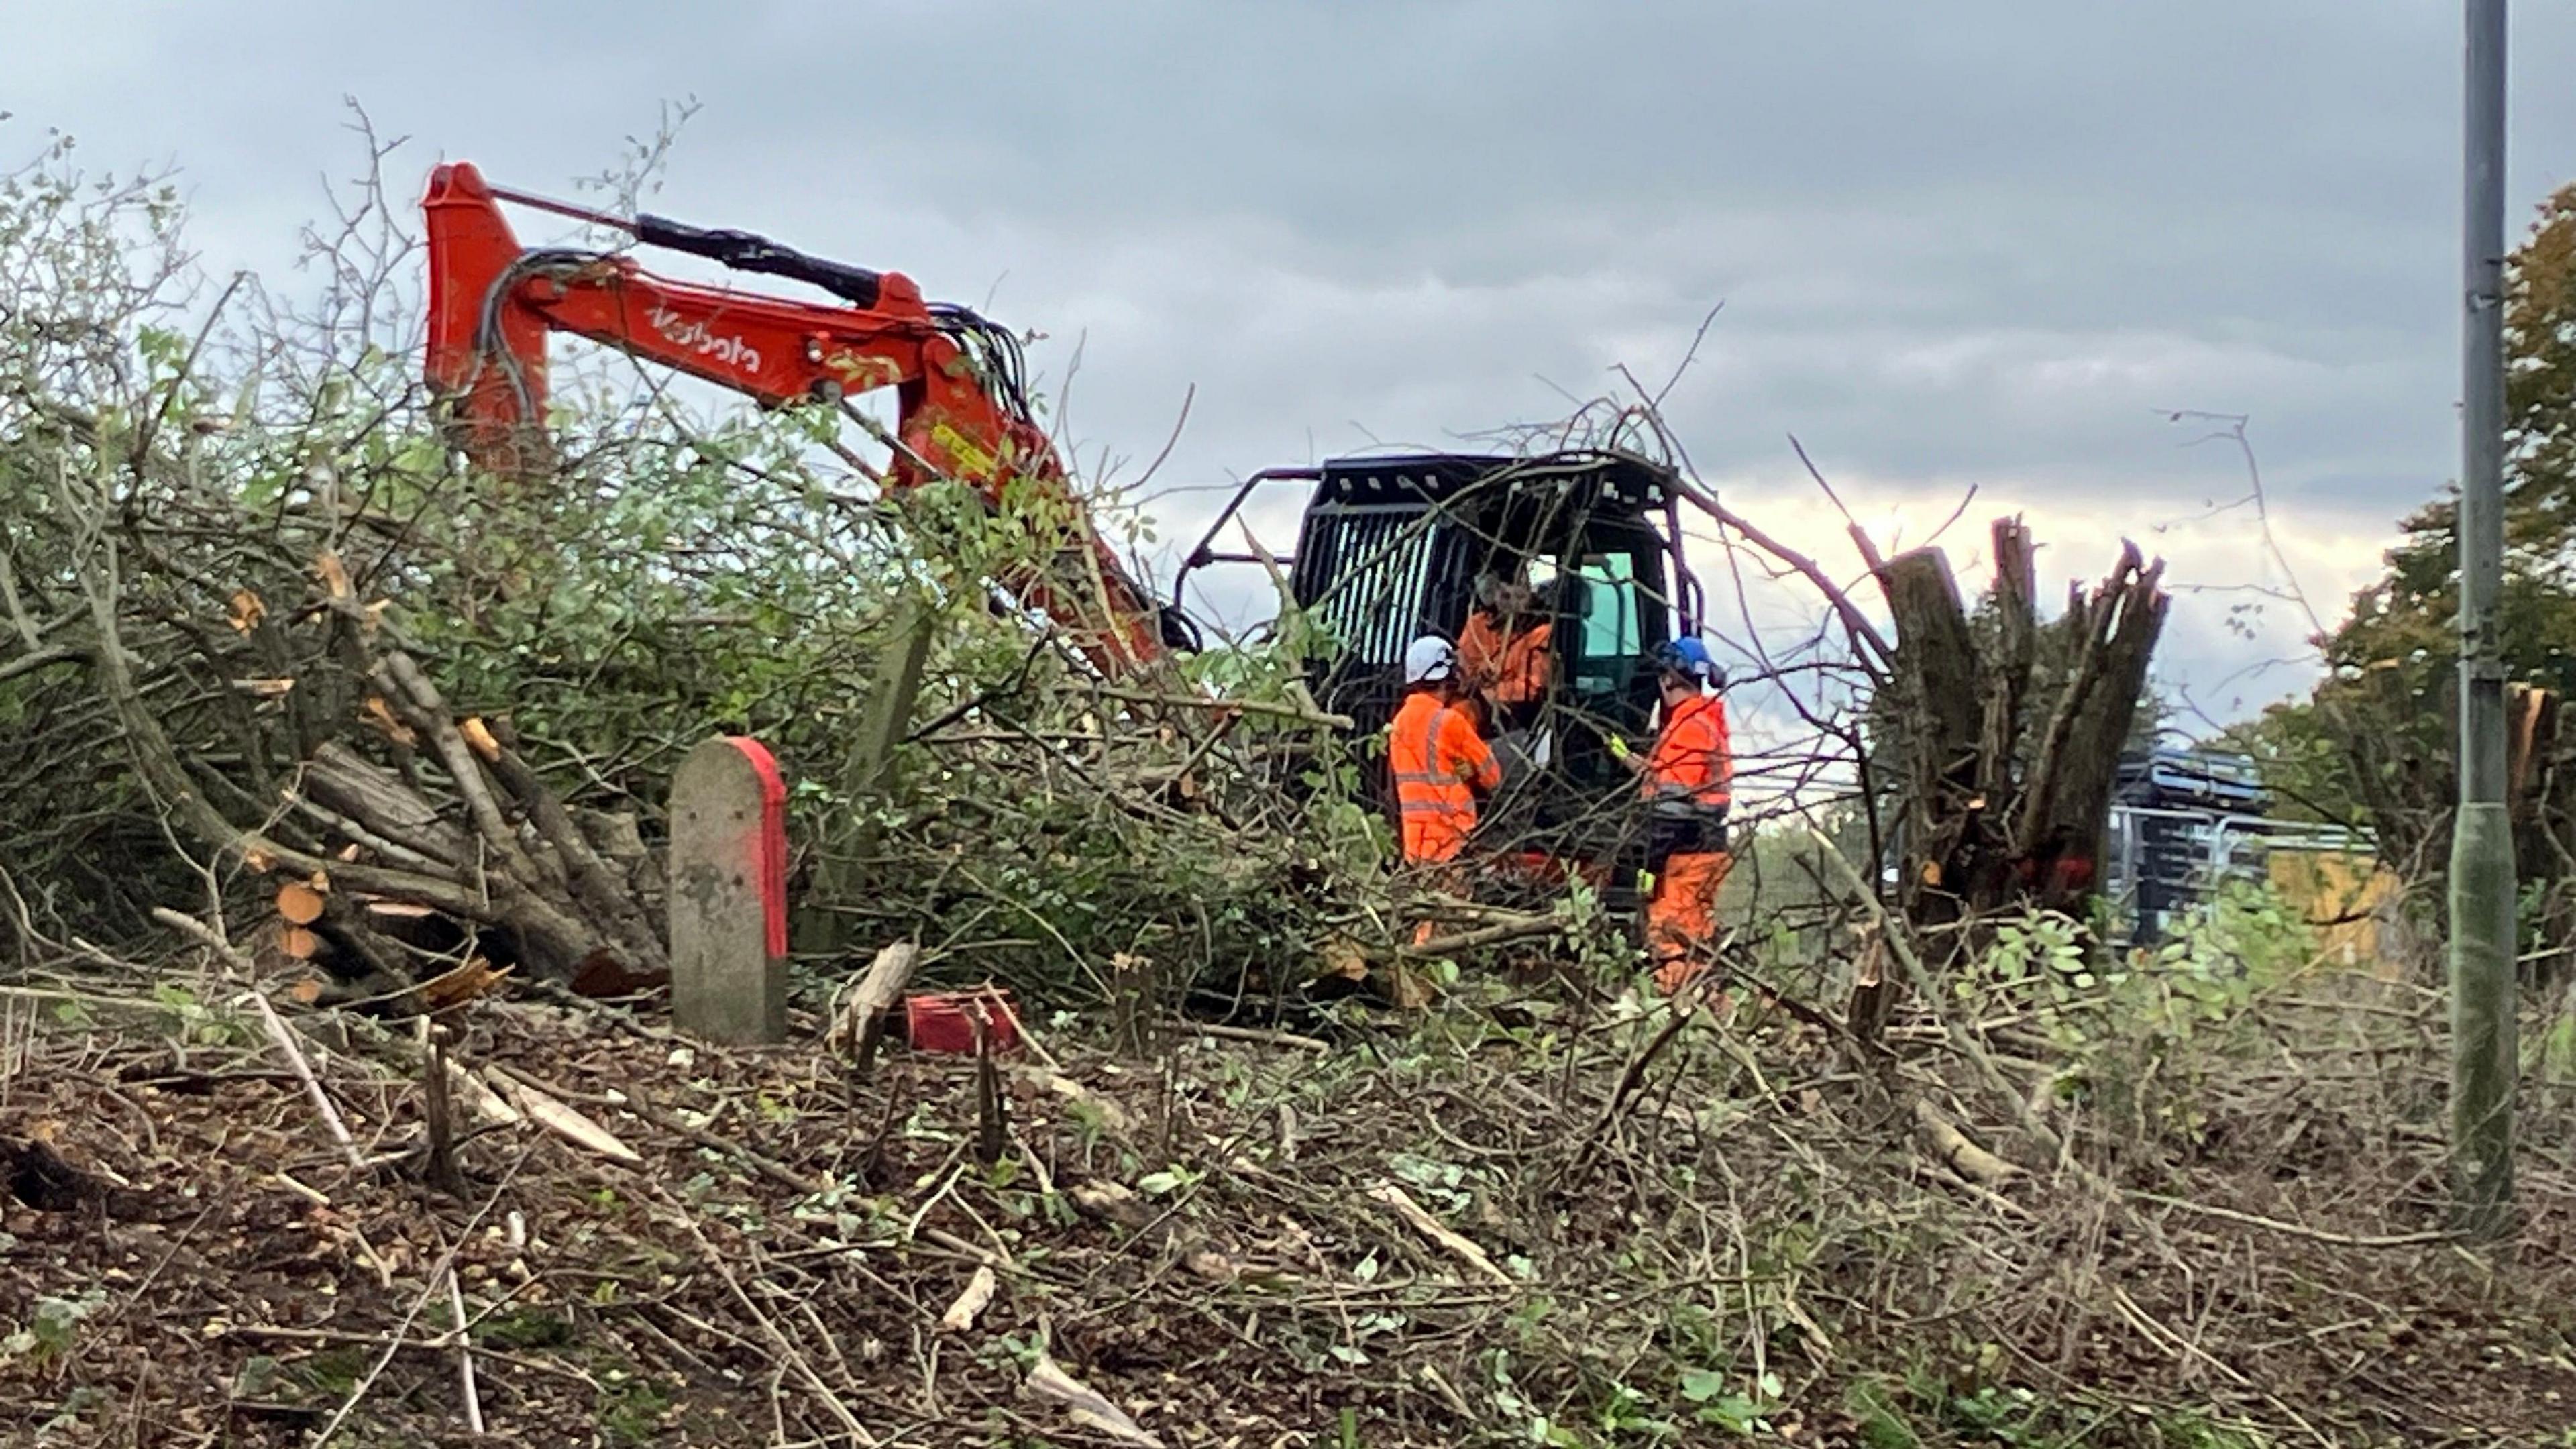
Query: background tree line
{"points": [[2373, 744]]}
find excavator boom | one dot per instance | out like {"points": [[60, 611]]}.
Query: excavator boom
{"points": [[963, 412]]}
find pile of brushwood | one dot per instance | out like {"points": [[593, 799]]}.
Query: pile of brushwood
{"points": [[2200, 1205], [269, 649]]}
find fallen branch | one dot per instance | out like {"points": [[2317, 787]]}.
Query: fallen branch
{"points": [[777, 1339], [493, 1108], [971, 1303], [1084, 1404], [1421, 1221], [1960, 1037], [465, 1359], [1287, 1039], [561, 1120], [1519, 929], [769, 1167], [2297, 1230], [1272, 708], [269, 1021], [1960, 1154], [1629, 1080], [396, 1340]]}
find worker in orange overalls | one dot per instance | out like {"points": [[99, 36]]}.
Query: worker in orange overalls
{"points": [[1687, 782], [1440, 764], [1503, 653]]}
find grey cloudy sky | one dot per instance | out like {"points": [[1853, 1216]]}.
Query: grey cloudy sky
{"points": [[1978, 242]]}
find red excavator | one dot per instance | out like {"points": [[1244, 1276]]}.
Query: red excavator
{"points": [[1390, 547], [959, 379]]}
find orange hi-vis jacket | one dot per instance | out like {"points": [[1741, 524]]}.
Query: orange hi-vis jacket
{"points": [[1693, 761], [1439, 763], [1511, 667]]}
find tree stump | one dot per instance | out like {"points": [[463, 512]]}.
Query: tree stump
{"points": [[2008, 784], [728, 894]]}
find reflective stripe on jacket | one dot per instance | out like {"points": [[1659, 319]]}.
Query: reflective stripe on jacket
{"points": [[1439, 763], [1692, 761]]}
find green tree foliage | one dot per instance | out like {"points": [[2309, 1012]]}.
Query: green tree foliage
{"points": [[2375, 742], [2306, 764]]}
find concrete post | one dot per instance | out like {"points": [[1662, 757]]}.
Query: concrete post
{"points": [[728, 894]]}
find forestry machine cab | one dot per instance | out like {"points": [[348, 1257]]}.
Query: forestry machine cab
{"points": [[1395, 546]]}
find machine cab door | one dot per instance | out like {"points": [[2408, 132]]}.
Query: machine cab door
{"points": [[1610, 607]]}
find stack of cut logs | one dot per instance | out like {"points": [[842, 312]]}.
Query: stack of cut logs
{"points": [[487, 867]]}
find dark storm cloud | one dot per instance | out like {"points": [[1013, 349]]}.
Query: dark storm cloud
{"points": [[1970, 243]]}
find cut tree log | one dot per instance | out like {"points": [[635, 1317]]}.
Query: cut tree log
{"points": [[564, 888], [357, 790], [298, 903], [470, 844], [602, 892]]}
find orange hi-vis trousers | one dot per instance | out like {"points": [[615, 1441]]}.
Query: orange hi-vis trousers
{"points": [[1681, 916]]}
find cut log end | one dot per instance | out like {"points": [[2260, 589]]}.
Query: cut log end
{"points": [[478, 738], [299, 904]]}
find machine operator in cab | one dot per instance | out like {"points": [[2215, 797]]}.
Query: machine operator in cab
{"points": [[1504, 652]]}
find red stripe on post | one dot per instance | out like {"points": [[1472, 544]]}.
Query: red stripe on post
{"points": [[772, 845]]}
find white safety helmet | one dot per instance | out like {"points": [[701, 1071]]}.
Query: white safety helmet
{"points": [[1428, 660]]}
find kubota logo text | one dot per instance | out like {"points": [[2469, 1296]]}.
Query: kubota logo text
{"points": [[693, 334]]}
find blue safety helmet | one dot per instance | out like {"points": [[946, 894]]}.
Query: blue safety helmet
{"points": [[1687, 657]]}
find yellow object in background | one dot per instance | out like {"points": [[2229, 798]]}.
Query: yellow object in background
{"points": [[2342, 894]]}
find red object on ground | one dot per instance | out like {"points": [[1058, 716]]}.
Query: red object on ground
{"points": [[772, 846], [944, 1021]]}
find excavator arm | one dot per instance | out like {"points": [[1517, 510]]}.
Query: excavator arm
{"points": [[963, 411]]}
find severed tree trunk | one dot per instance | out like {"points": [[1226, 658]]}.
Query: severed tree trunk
{"points": [[2007, 787]]}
